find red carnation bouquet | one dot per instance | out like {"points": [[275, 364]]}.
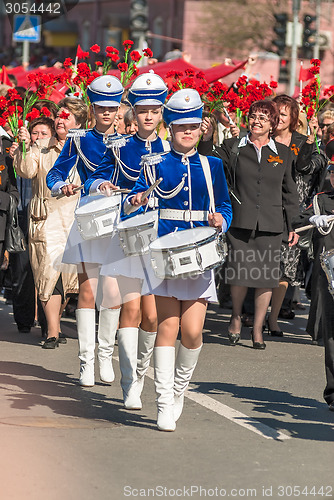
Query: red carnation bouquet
{"points": [[18, 109], [129, 68], [311, 93], [77, 76], [188, 80], [245, 93]]}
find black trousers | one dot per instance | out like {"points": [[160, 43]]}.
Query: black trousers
{"points": [[327, 326]]}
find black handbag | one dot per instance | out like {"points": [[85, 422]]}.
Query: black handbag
{"points": [[14, 237]]}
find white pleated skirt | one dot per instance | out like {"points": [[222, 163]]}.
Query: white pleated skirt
{"points": [[191, 288], [78, 250], [116, 263]]}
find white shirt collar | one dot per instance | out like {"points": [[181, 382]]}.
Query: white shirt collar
{"points": [[3, 133], [245, 140]]}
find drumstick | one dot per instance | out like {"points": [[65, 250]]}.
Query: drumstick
{"points": [[150, 189], [310, 226], [75, 190], [122, 190]]}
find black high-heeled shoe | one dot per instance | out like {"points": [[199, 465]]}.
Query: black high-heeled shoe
{"points": [[257, 345], [233, 338], [273, 333]]}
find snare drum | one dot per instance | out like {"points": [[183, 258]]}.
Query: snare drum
{"points": [[97, 216], [136, 233], [187, 253], [327, 263]]}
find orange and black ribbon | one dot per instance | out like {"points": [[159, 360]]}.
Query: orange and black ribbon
{"points": [[294, 149], [275, 158]]}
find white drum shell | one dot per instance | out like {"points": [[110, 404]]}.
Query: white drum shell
{"points": [[137, 233], [97, 216], [173, 259]]}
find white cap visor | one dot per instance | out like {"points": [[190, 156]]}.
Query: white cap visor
{"points": [[180, 121], [108, 104], [148, 102]]}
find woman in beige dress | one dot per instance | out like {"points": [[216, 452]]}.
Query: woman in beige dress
{"points": [[51, 219]]}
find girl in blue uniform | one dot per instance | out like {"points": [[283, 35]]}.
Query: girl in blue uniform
{"points": [[84, 151], [185, 196], [120, 167]]}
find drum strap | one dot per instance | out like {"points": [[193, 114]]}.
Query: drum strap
{"points": [[165, 145], [207, 174]]}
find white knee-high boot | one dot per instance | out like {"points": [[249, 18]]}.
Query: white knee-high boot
{"points": [[186, 361], [86, 338], [164, 361], [146, 342], [127, 350], [108, 324]]}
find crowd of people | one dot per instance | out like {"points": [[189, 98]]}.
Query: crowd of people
{"points": [[129, 205]]}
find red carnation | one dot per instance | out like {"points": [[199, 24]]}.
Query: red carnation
{"points": [[98, 63], [46, 112], [200, 75], [20, 123], [135, 56], [315, 70], [315, 62], [273, 84], [3, 102], [112, 50], [64, 115], [127, 44], [113, 57], [135, 70], [34, 113], [68, 62], [310, 113], [123, 67], [201, 89], [13, 95], [190, 73], [148, 52], [95, 48]]}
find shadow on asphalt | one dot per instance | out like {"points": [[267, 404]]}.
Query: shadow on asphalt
{"points": [[309, 414], [44, 387]]}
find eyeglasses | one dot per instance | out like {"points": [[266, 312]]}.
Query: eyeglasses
{"points": [[323, 125], [260, 118]]}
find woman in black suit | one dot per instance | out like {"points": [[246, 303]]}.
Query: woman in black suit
{"points": [[302, 147], [263, 192], [7, 188]]}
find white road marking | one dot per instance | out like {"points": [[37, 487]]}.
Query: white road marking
{"points": [[233, 415]]}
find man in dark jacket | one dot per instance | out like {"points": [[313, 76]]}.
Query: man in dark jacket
{"points": [[324, 242]]}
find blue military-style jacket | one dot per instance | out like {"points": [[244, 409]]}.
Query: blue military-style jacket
{"points": [[85, 152], [184, 190], [122, 165]]}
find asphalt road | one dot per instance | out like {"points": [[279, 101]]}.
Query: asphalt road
{"points": [[254, 424]]}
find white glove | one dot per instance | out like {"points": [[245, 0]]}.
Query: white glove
{"points": [[320, 220]]}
